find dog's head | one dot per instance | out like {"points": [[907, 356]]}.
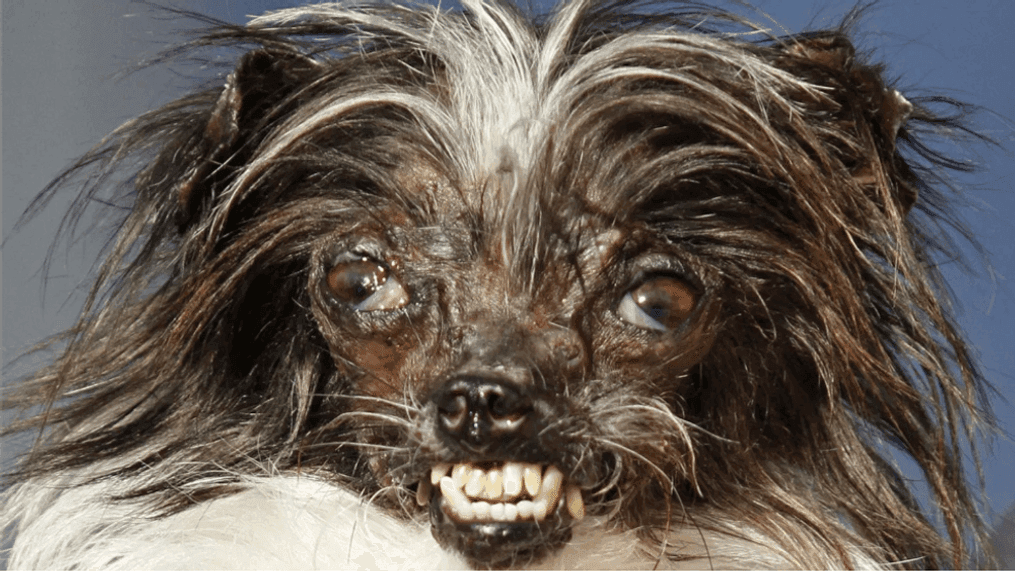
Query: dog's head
{"points": [[507, 276]]}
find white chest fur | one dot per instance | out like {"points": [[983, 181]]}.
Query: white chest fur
{"points": [[298, 523]]}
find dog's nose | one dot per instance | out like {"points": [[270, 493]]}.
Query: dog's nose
{"points": [[478, 412]]}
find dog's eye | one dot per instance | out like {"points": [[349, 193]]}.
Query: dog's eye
{"points": [[662, 303], [366, 285]]}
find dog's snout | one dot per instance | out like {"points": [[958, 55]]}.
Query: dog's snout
{"points": [[478, 412]]}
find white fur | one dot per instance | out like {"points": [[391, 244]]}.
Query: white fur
{"points": [[292, 522]]}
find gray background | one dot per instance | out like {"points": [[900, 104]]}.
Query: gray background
{"points": [[61, 93]]}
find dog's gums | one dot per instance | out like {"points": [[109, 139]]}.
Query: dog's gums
{"points": [[626, 285]]}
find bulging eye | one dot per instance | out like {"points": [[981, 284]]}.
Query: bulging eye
{"points": [[662, 303], [366, 284]]}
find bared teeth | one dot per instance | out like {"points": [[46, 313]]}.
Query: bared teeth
{"points": [[460, 474], [533, 478], [511, 512], [512, 480], [472, 493], [548, 493], [481, 510], [438, 472], [498, 512], [457, 500], [474, 485], [526, 509], [423, 492], [575, 503], [493, 488]]}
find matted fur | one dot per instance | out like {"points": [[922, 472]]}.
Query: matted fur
{"points": [[217, 406]]}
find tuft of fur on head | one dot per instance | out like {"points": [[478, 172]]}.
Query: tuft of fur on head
{"points": [[387, 206]]}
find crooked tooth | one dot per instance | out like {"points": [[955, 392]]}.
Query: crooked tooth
{"points": [[439, 471], [460, 474], [493, 488], [512, 480], [475, 484], [456, 500], [549, 493], [550, 489], [466, 482], [575, 503], [423, 492], [533, 478]]}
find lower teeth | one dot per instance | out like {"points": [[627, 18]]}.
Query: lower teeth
{"points": [[467, 483]]}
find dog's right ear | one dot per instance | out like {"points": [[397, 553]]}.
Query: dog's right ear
{"points": [[864, 100], [254, 97]]}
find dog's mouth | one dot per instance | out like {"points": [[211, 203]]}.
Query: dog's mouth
{"points": [[506, 492], [501, 514]]}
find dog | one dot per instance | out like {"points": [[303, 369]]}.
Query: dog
{"points": [[623, 286]]}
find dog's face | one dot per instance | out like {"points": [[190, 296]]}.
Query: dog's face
{"points": [[512, 278], [509, 387], [519, 331]]}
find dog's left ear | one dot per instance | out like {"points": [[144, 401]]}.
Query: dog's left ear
{"points": [[253, 98], [882, 109]]}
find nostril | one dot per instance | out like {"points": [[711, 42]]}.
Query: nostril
{"points": [[453, 411], [477, 411], [497, 405], [503, 408]]}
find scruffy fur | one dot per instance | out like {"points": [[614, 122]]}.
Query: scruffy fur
{"points": [[685, 261]]}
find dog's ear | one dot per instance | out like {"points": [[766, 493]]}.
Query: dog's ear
{"points": [[872, 104], [251, 100]]}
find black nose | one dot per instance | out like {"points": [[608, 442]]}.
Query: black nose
{"points": [[480, 412]]}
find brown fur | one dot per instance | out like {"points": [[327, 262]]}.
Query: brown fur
{"points": [[780, 186]]}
